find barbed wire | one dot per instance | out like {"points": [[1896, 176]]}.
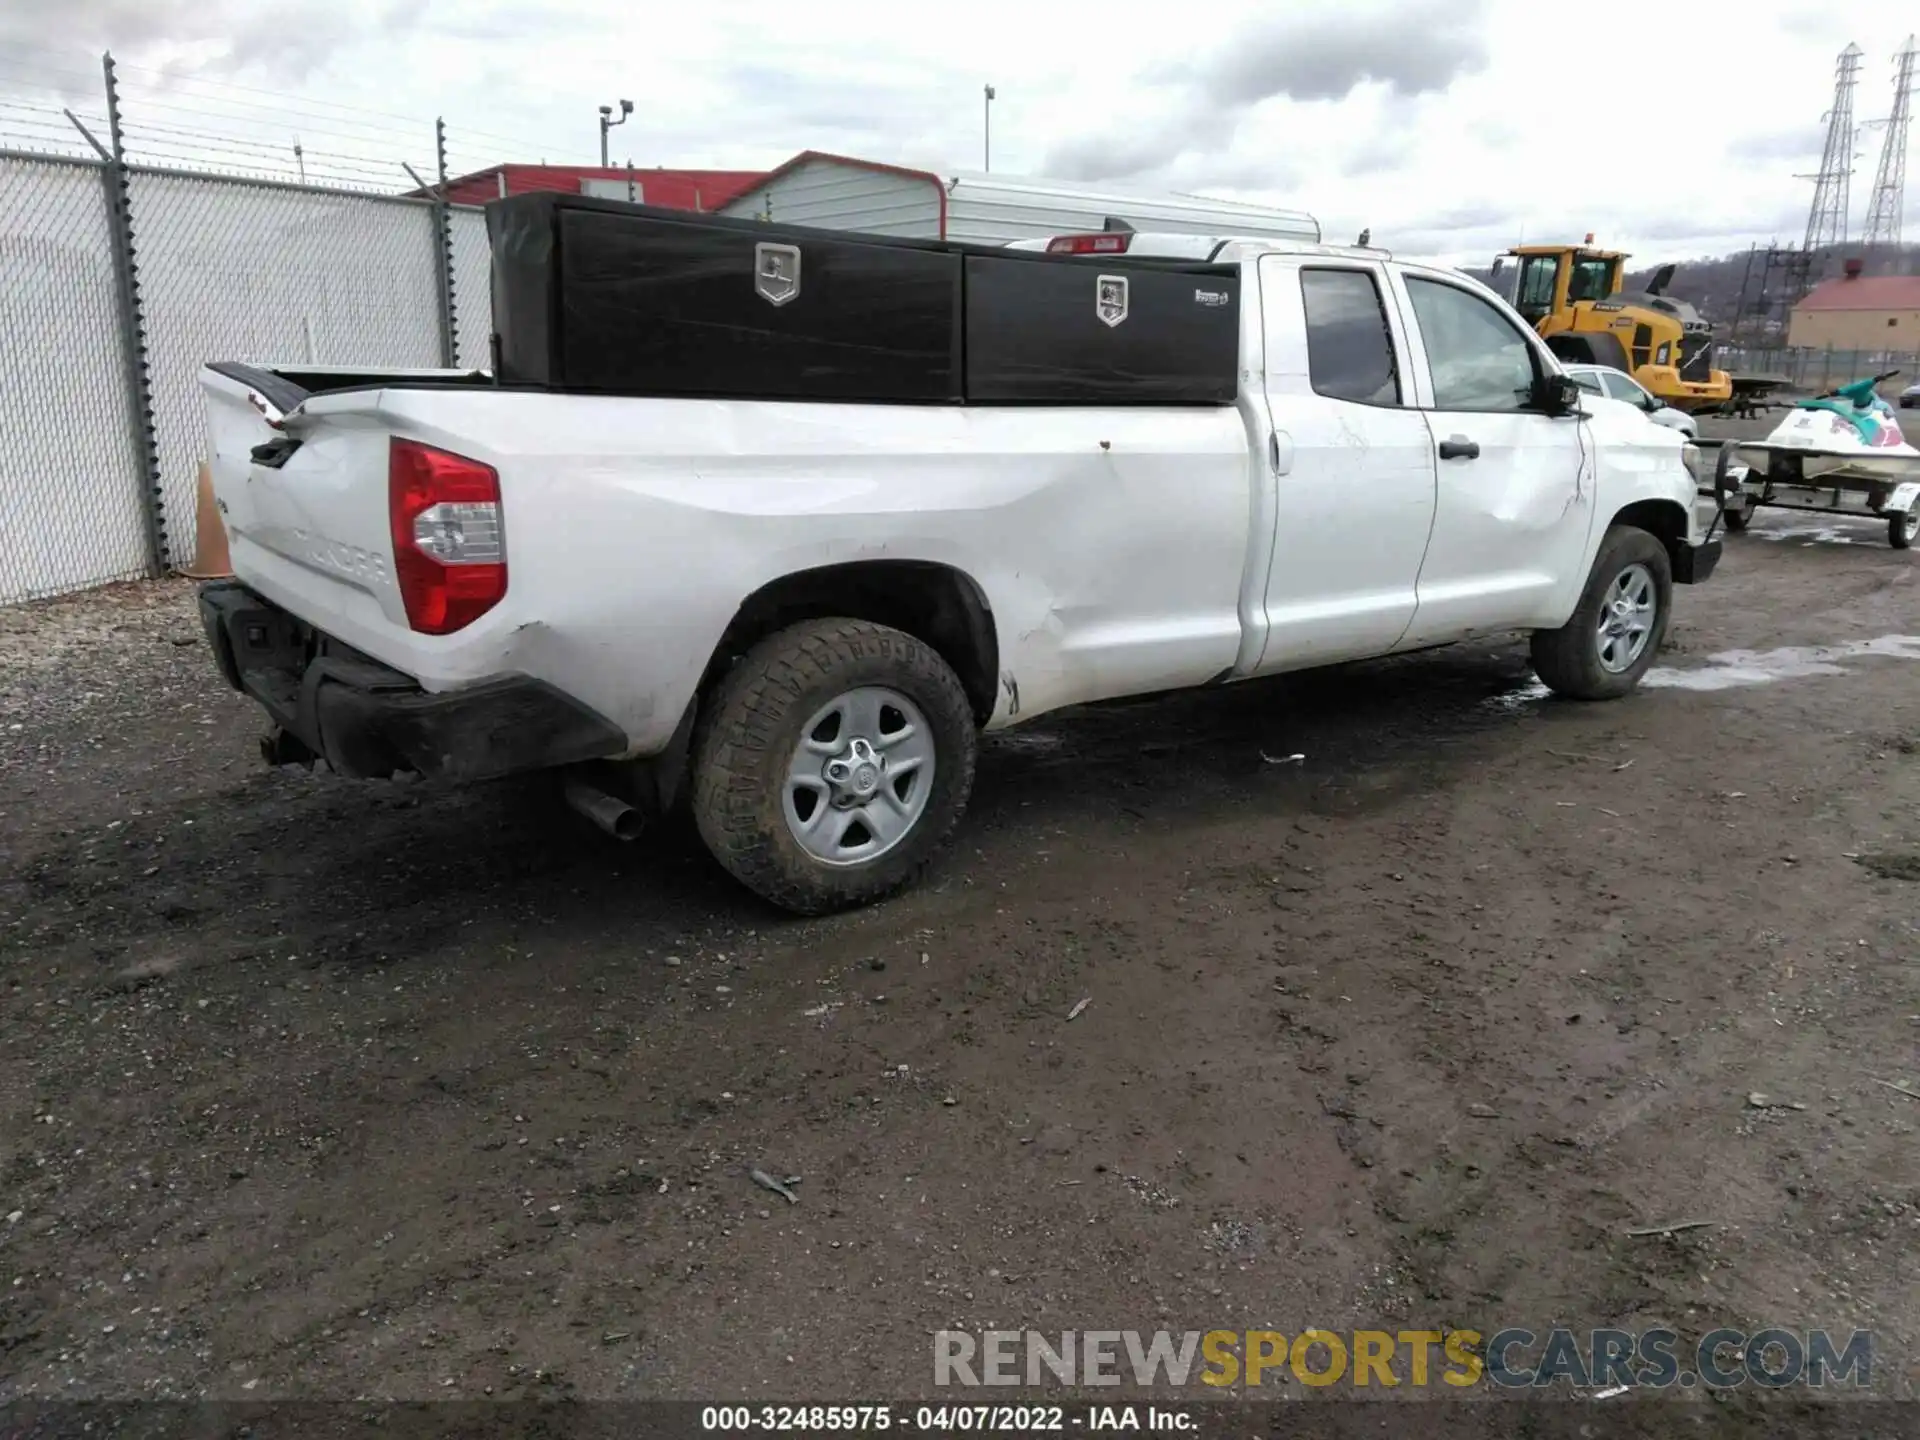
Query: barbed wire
{"points": [[193, 122]]}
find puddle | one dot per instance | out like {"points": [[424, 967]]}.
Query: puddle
{"points": [[1807, 536], [1732, 668], [1521, 698]]}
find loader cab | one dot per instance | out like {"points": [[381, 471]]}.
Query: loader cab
{"points": [[1551, 278]]}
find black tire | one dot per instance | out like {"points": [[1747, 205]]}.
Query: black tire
{"points": [[1901, 529], [1567, 660], [1738, 517], [752, 726]]}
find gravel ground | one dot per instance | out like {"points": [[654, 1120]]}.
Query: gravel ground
{"points": [[322, 1088]]}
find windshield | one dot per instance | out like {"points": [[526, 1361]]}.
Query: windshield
{"points": [[1534, 296]]}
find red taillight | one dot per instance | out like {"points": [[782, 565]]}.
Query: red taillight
{"points": [[1108, 243], [448, 554]]}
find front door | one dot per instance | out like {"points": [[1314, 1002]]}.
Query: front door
{"points": [[1351, 462], [1516, 486]]}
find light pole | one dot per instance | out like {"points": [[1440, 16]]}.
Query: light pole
{"points": [[607, 122], [986, 135]]}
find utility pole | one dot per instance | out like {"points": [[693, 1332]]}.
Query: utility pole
{"points": [[986, 135], [607, 122], [1827, 217], [1890, 180], [300, 159]]}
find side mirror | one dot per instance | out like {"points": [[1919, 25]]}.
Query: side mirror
{"points": [[1557, 395]]}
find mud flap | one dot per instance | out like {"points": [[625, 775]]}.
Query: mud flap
{"points": [[1692, 564]]}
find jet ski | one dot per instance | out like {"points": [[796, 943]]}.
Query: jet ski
{"points": [[1847, 434]]}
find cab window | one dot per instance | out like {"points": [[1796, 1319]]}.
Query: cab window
{"points": [[1478, 360], [1590, 280], [1349, 348]]}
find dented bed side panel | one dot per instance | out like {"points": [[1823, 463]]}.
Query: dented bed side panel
{"points": [[1109, 543]]}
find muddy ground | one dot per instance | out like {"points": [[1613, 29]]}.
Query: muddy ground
{"points": [[319, 1088]]}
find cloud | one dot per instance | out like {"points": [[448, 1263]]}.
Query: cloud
{"points": [[1417, 48], [1799, 143], [1405, 50], [287, 41]]}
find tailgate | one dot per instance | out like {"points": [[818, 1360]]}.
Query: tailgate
{"points": [[300, 478]]}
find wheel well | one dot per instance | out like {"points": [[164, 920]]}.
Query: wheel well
{"points": [[1662, 519], [933, 603]]}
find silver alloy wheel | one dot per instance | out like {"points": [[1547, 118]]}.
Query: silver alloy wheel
{"points": [[1626, 618], [860, 777]]}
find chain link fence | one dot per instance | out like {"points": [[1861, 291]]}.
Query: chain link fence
{"points": [[472, 288], [1806, 368], [71, 473], [222, 269]]}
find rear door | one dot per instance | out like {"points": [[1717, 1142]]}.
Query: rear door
{"points": [[1351, 459], [1515, 495]]}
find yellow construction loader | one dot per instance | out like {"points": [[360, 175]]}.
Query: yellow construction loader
{"points": [[1573, 295]]}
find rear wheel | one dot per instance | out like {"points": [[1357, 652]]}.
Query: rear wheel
{"points": [[1903, 529], [832, 765], [1616, 629]]}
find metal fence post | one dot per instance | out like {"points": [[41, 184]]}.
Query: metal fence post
{"points": [[133, 327], [443, 253]]}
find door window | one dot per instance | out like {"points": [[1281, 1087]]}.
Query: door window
{"points": [[1478, 359], [1587, 381], [1622, 388], [1349, 349]]}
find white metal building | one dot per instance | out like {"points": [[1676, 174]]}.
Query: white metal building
{"points": [[841, 193]]}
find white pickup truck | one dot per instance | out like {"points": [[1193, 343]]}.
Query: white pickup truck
{"points": [[802, 615]]}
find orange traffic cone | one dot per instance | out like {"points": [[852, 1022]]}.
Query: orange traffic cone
{"points": [[210, 558]]}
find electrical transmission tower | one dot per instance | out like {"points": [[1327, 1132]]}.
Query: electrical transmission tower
{"points": [[1890, 181], [1827, 219]]}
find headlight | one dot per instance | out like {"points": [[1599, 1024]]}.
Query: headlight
{"points": [[1695, 460]]}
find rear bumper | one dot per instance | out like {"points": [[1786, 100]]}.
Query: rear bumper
{"points": [[1692, 564], [368, 721]]}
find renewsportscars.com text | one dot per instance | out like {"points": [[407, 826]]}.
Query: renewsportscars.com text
{"points": [[1511, 1357]]}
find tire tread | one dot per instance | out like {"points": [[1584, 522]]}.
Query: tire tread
{"points": [[740, 751]]}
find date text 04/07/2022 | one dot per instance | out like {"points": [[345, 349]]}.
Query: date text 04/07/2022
{"points": [[945, 1419]]}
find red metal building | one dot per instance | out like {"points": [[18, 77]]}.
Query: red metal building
{"points": [[675, 189]]}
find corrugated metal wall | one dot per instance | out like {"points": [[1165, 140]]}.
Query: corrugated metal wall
{"points": [[990, 210], [845, 197]]}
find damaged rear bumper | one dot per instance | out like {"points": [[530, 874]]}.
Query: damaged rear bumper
{"points": [[368, 721]]}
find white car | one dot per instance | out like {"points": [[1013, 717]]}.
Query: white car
{"points": [[1618, 385], [803, 612]]}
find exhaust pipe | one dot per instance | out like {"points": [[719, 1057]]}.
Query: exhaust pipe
{"points": [[609, 812]]}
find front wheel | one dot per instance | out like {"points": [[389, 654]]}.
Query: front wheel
{"points": [[832, 764], [1616, 629], [1903, 529]]}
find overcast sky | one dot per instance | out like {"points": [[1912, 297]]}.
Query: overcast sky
{"points": [[1450, 127]]}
